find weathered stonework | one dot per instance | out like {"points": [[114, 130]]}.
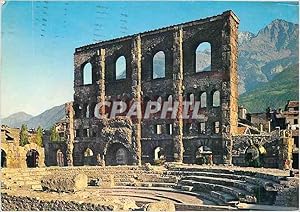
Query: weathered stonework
{"points": [[15, 156], [64, 183], [138, 141], [278, 146]]}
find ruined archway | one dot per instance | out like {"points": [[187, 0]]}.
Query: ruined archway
{"points": [[203, 155], [118, 154], [89, 157], [32, 158], [3, 159], [60, 158]]}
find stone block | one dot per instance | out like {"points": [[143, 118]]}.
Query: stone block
{"points": [[65, 183], [160, 206]]}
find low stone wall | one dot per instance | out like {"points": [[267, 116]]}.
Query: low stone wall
{"points": [[18, 203]]}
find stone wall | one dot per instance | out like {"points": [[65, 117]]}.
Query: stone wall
{"points": [[19, 203], [179, 43], [17, 156], [278, 146]]}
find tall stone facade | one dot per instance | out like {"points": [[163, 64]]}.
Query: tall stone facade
{"points": [[123, 140]]}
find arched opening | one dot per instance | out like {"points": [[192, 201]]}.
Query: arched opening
{"points": [[87, 112], [3, 158], [32, 158], [77, 110], [88, 157], [157, 153], [117, 154], [159, 65], [87, 74], [216, 99], [203, 98], [204, 155], [190, 98], [121, 156], [60, 159], [121, 68], [170, 101], [203, 57]]}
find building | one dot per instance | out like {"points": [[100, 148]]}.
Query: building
{"points": [[132, 141]]}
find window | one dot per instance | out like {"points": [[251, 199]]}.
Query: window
{"points": [[121, 68], [170, 129], [203, 57], [77, 110], [190, 98], [217, 127], [170, 101], [85, 132], [87, 112], [159, 65], [295, 121], [203, 100], [216, 99], [187, 128], [158, 129], [77, 133], [202, 127], [87, 74]]}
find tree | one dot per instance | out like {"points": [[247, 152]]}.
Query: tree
{"points": [[24, 135], [39, 136], [53, 134]]}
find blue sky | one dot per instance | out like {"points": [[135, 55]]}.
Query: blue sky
{"points": [[39, 38]]}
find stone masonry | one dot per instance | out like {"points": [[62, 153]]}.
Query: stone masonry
{"points": [[135, 138]]}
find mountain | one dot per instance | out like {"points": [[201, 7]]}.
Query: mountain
{"points": [[275, 93], [263, 56], [45, 119], [16, 118]]}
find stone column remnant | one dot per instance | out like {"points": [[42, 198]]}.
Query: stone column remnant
{"points": [[70, 132], [136, 92], [178, 91]]}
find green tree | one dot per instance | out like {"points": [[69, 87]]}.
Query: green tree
{"points": [[39, 136], [24, 135], [54, 137]]}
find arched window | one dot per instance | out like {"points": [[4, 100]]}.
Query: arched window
{"points": [[203, 57], [159, 65], [170, 101], [216, 99], [203, 100], [121, 68], [191, 98], [87, 74]]}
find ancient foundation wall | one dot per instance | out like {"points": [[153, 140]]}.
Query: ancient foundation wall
{"points": [[19, 203]]}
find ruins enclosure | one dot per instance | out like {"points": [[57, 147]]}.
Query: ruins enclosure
{"points": [[124, 141], [163, 161]]}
